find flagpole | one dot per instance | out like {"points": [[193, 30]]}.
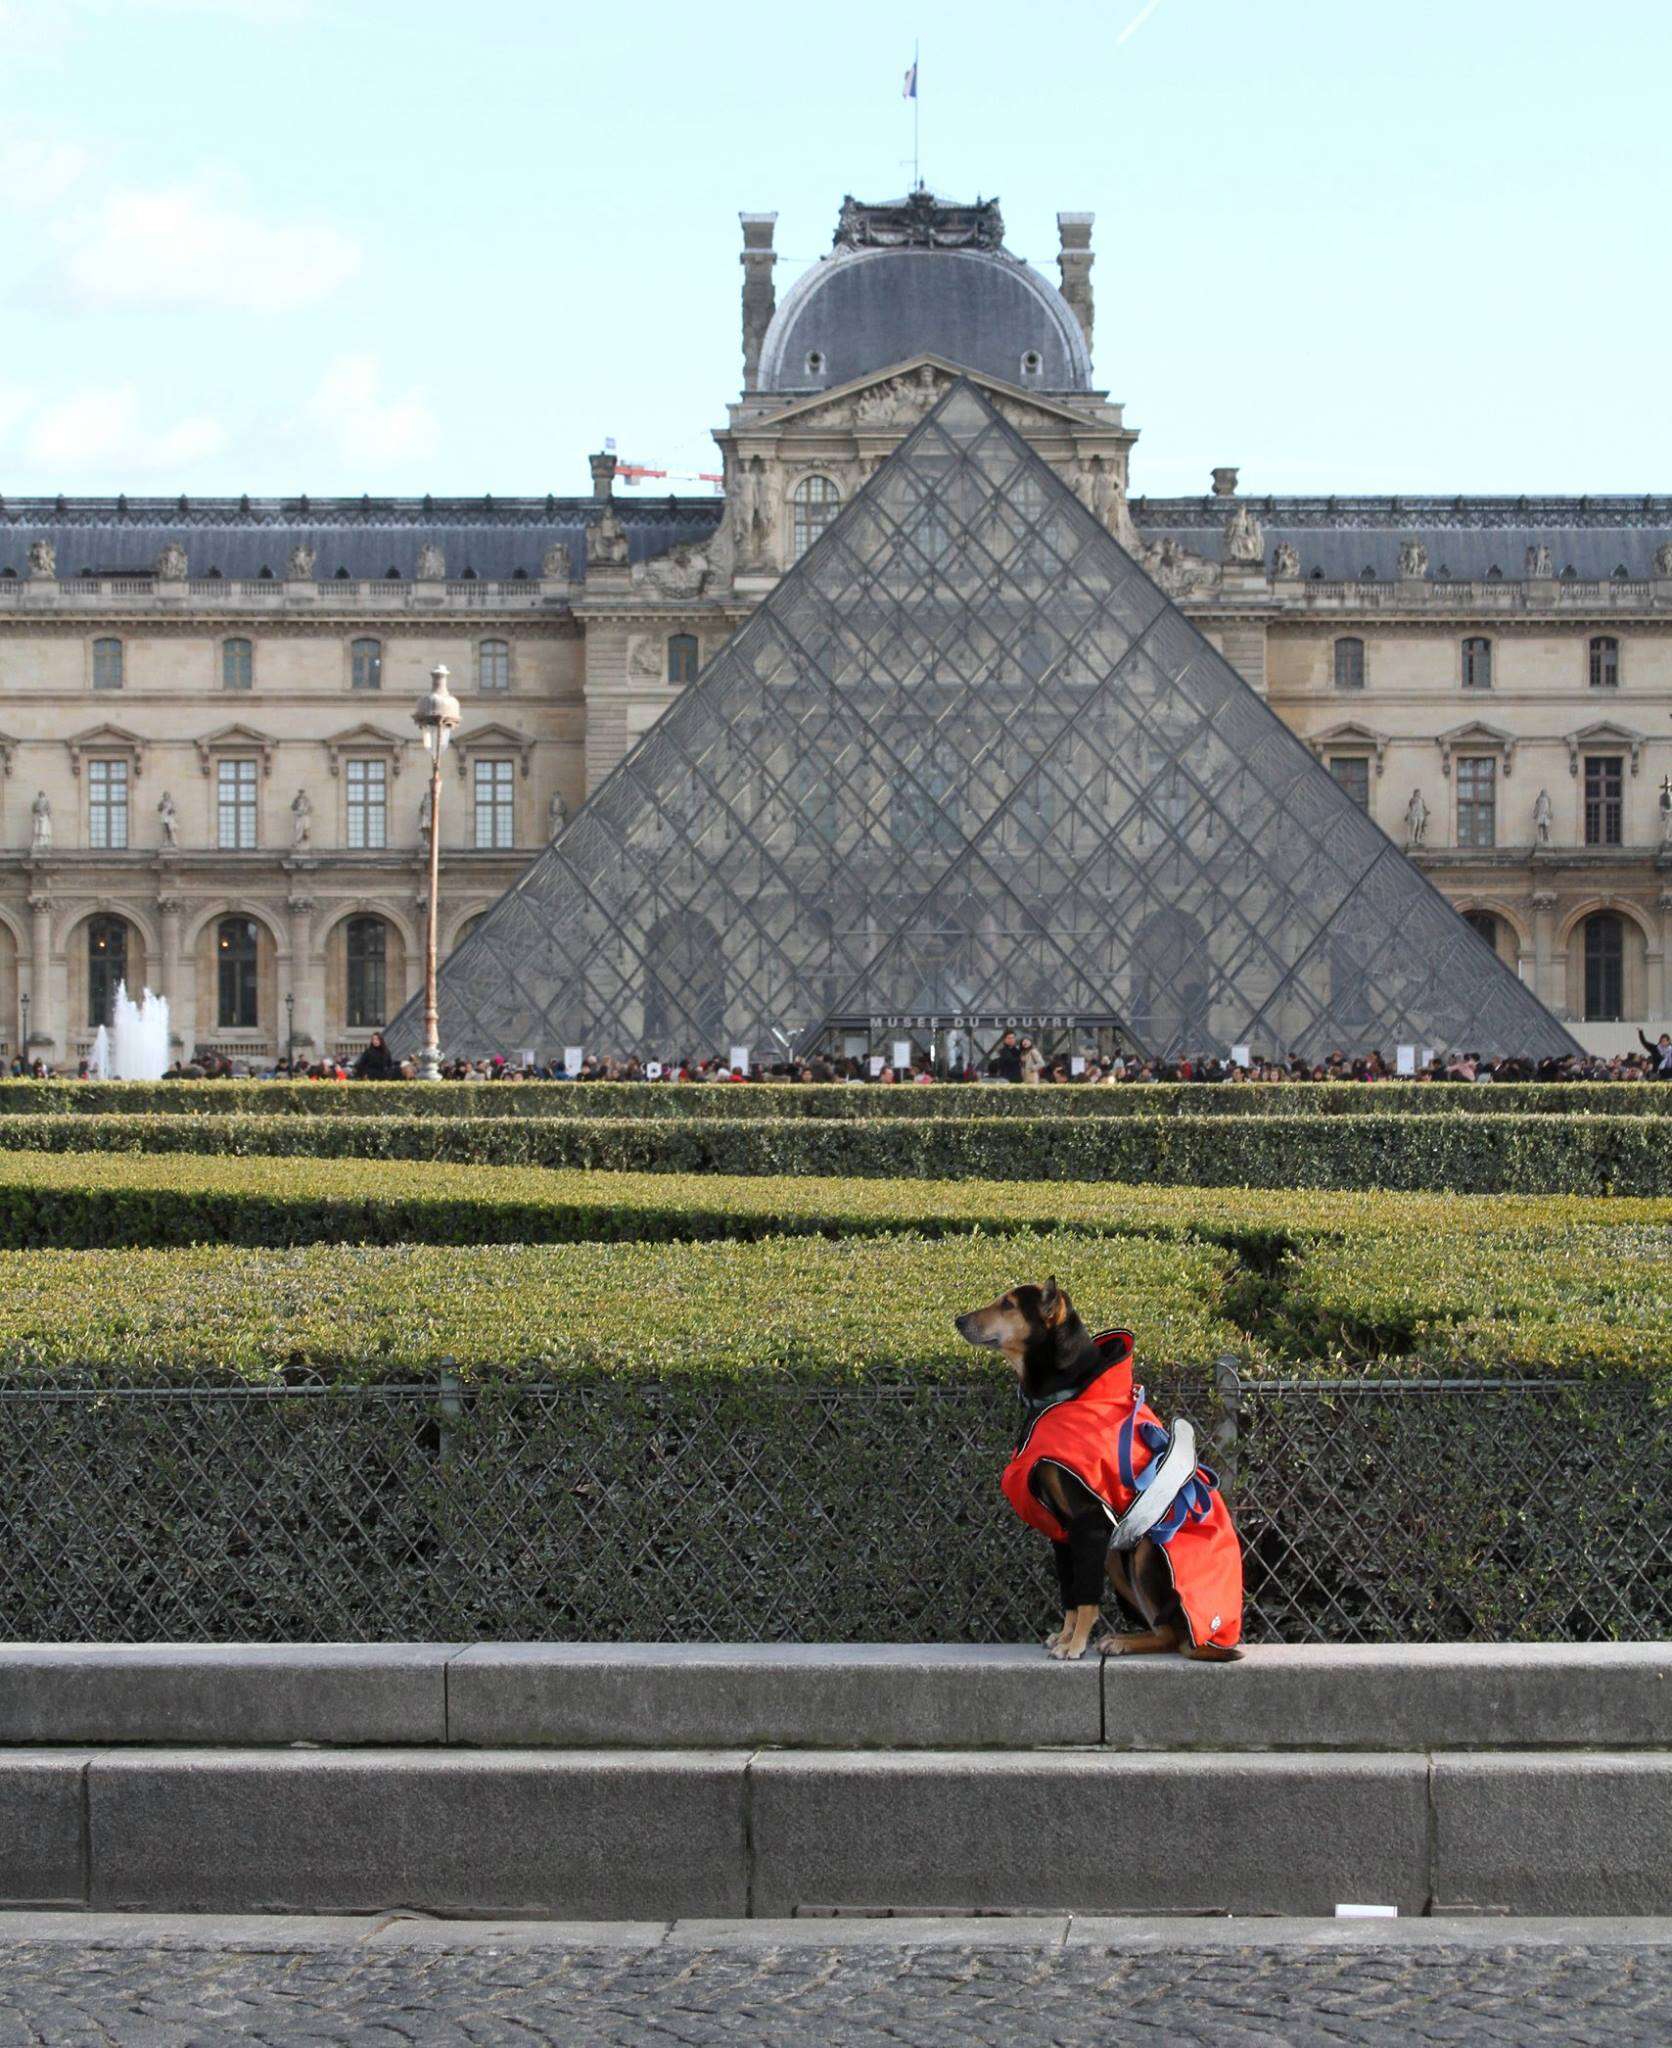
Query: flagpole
{"points": [[916, 171]]}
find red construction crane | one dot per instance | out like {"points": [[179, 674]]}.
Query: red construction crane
{"points": [[638, 472]]}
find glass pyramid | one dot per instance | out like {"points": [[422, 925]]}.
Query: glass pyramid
{"points": [[967, 763]]}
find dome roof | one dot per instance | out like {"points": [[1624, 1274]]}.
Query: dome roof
{"points": [[922, 278]]}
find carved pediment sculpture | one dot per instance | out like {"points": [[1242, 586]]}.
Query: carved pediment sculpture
{"points": [[606, 541], [554, 563], [1244, 542], [1177, 570], [432, 563], [1539, 561], [43, 559], [1285, 559], [300, 567], [171, 564], [1413, 560]]}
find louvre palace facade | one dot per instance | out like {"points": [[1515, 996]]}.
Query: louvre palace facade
{"points": [[212, 783]]}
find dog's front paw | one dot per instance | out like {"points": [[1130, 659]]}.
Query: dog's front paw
{"points": [[1067, 1652]]}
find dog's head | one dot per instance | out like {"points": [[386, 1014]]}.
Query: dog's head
{"points": [[1029, 1324]]}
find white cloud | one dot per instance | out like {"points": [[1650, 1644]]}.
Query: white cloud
{"points": [[37, 173], [104, 434], [182, 247], [366, 424]]}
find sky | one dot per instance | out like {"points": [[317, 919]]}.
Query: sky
{"points": [[399, 246]]}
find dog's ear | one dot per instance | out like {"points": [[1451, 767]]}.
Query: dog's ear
{"points": [[1053, 1303]]}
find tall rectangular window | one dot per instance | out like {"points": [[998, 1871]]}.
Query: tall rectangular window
{"points": [[1605, 799], [1477, 663], [1477, 802], [368, 804], [493, 665], [235, 802], [1605, 662], [107, 664], [495, 803], [1352, 771], [366, 665], [107, 804], [1349, 663], [237, 664]]}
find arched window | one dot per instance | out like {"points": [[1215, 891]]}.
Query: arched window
{"points": [[368, 973], [1349, 663], [1605, 962], [107, 966], [1605, 662], [1477, 663], [1486, 925], [682, 658], [493, 665], [237, 664], [815, 503], [107, 664], [366, 664], [684, 986], [236, 951]]}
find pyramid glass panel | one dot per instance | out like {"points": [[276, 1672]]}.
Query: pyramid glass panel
{"points": [[967, 763]]}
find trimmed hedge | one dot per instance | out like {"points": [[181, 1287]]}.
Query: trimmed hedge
{"points": [[1481, 1155], [796, 1307], [127, 1198], [735, 1103]]}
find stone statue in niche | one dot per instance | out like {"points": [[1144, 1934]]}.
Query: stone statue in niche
{"points": [[1541, 818], [554, 563], [43, 559], [40, 824], [1666, 810], [432, 563], [168, 817], [300, 568], [557, 814], [171, 564], [606, 540], [1538, 562], [301, 819], [1413, 560], [1416, 820], [1663, 558], [1285, 559], [1244, 542]]}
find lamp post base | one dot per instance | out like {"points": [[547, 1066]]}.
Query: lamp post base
{"points": [[429, 1062]]}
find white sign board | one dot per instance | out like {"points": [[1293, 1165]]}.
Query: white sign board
{"points": [[1076, 1066], [653, 1070], [572, 1057], [1428, 1055], [1242, 1056], [525, 1058], [877, 1063], [740, 1059], [1405, 1059], [902, 1055]]}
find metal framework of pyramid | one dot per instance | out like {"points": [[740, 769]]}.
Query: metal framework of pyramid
{"points": [[966, 763]]}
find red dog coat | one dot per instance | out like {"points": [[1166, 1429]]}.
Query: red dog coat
{"points": [[1106, 1435]]}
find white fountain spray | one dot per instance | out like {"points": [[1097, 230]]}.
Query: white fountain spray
{"points": [[135, 1048]]}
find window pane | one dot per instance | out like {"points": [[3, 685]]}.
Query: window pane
{"points": [[107, 664], [107, 804], [495, 804], [237, 664], [237, 953], [107, 966], [368, 806], [1604, 799], [493, 665], [1349, 664], [1352, 771], [1605, 662], [236, 804], [368, 952], [682, 658], [368, 664], [1477, 664], [817, 501], [1604, 968], [1477, 789]]}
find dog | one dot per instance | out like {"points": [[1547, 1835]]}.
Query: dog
{"points": [[1087, 1436]]}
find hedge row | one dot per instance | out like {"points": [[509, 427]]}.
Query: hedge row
{"points": [[800, 1307], [155, 1200], [1480, 1155], [1584, 1298], [839, 1104]]}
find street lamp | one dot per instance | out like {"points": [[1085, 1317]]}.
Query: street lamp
{"points": [[23, 1002], [290, 1034], [436, 716]]}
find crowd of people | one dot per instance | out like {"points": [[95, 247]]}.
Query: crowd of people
{"points": [[1016, 1059]]}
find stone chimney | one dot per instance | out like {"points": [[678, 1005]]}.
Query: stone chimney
{"points": [[1074, 260], [603, 475], [760, 297]]}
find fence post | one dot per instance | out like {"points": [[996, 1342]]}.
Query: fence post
{"points": [[449, 1388], [1227, 1384]]}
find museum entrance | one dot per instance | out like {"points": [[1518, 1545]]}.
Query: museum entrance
{"points": [[947, 1043]]}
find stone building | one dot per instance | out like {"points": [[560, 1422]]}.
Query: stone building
{"points": [[210, 781]]}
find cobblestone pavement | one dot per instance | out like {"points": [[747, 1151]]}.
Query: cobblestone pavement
{"points": [[963, 1996]]}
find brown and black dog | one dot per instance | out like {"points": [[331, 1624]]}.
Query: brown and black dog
{"points": [[1053, 1354]]}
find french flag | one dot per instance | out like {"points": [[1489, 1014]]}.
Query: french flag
{"points": [[909, 90]]}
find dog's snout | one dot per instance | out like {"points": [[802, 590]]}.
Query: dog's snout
{"points": [[958, 1323]]}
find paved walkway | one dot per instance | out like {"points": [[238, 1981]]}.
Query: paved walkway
{"points": [[175, 1983]]}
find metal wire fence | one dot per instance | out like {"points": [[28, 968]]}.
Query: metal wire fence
{"points": [[1371, 1510]]}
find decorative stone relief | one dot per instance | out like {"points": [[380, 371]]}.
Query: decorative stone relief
{"points": [[1413, 560], [43, 559], [554, 563], [1244, 541], [432, 564], [1663, 559], [1285, 559], [606, 541], [1538, 562], [300, 567], [171, 564], [1177, 570], [645, 659]]}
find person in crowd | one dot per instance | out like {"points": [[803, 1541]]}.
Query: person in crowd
{"points": [[1660, 1054], [376, 1061]]}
